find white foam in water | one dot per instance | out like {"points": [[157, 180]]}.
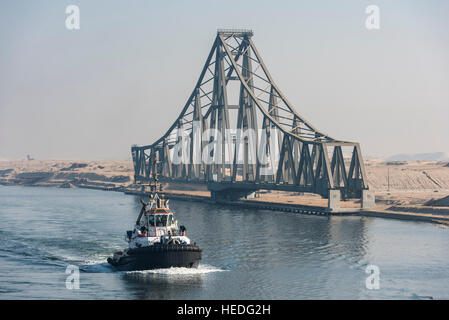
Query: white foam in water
{"points": [[202, 269], [96, 260], [96, 264]]}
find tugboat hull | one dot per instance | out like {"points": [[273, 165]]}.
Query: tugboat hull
{"points": [[158, 256]]}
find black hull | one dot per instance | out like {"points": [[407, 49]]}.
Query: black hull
{"points": [[159, 256]]}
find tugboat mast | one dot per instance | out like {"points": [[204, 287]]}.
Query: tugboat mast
{"points": [[154, 184]]}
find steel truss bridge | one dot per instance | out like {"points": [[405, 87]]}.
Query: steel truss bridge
{"points": [[238, 133]]}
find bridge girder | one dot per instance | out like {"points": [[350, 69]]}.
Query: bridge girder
{"points": [[257, 142]]}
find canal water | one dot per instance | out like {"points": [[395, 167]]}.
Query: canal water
{"points": [[247, 254]]}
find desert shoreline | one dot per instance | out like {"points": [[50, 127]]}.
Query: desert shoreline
{"points": [[413, 190]]}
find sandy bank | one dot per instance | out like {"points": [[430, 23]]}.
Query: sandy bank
{"points": [[403, 189]]}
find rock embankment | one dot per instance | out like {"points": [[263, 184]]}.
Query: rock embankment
{"points": [[443, 202]]}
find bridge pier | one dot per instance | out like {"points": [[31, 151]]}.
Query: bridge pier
{"points": [[333, 202], [368, 199]]}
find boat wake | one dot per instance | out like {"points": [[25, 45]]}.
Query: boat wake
{"points": [[202, 269], [99, 265]]}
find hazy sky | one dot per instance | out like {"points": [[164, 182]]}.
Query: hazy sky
{"points": [[93, 92]]}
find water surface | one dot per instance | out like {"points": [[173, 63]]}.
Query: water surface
{"points": [[247, 254]]}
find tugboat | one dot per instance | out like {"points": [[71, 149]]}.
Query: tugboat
{"points": [[156, 241]]}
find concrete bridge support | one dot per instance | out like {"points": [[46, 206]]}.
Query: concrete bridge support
{"points": [[333, 203], [368, 199]]}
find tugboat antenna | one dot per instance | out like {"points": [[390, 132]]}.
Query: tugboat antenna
{"points": [[154, 184]]}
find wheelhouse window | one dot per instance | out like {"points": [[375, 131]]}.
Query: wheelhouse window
{"points": [[161, 220], [151, 220]]}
